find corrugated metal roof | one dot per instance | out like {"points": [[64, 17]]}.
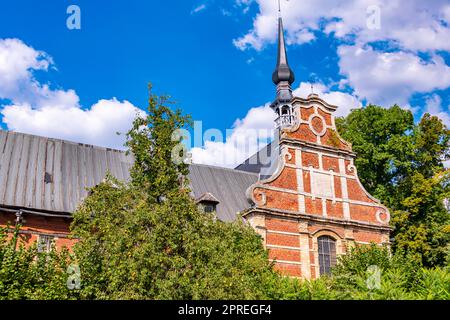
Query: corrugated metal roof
{"points": [[52, 175], [227, 185]]}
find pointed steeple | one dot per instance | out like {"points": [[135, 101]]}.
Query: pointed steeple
{"points": [[282, 71], [283, 76]]}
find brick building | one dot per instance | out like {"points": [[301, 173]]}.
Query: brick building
{"points": [[301, 193], [309, 205]]}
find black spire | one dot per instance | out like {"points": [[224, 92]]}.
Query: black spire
{"points": [[282, 71]]}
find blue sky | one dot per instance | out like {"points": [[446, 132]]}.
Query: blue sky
{"points": [[215, 58]]}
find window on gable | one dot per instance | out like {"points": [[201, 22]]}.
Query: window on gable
{"points": [[45, 243], [327, 253]]}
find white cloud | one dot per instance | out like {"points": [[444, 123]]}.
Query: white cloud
{"points": [[391, 77], [434, 107], [344, 101], [382, 77], [198, 9], [97, 125], [16, 60], [249, 135], [343, 18], [37, 108], [255, 130], [447, 164]]}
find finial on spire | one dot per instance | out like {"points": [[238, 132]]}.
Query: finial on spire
{"points": [[283, 76], [282, 71]]}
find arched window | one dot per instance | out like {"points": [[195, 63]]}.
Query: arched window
{"points": [[285, 110], [327, 253]]}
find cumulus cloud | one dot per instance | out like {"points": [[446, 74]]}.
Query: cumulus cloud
{"points": [[344, 18], [36, 108], [391, 77], [247, 136], [16, 62], [255, 130], [344, 101], [97, 125], [434, 107], [378, 75]]}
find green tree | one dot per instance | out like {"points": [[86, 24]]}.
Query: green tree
{"points": [[26, 273], [147, 239], [401, 163], [398, 277]]}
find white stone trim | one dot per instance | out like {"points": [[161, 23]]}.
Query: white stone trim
{"points": [[305, 256], [298, 157], [301, 203], [378, 216], [324, 207], [307, 194], [341, 166], [317, 147], [322, 171], [324, 124], [333, 188], [283, 232], [285, 262], [346, 209], [274, 246], [318, 218]]}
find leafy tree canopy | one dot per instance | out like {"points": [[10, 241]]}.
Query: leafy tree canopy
{"points": [[401, 163], [148, 239]]}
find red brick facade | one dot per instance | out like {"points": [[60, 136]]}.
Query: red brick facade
{"points": [[315, 192], [35, 226]]}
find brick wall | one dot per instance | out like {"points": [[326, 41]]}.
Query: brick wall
{"points": [[33, 226], [315, 192]]}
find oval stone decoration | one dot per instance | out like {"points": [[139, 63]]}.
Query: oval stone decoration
{"points": [[317, 124]]}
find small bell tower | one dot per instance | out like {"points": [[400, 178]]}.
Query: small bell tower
{"points": [[283, 77]]}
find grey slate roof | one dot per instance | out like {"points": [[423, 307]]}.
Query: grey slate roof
{"points": [[51, 175], [227, 185], [257, 161]]}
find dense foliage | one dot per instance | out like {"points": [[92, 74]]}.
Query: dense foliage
{"points": [[401, 163], [26, 273], [147, 239], [399, 278]]}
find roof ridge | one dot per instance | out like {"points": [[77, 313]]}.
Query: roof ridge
{"points": [[223, 168], [62, 140]]}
